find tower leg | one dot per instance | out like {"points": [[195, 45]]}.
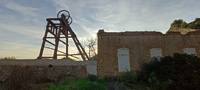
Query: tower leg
{"points": [[57, 39], [66, 35], [43, 43]]}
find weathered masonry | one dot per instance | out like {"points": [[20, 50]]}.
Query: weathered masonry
{"points": [[127, 51], [50, 69]]}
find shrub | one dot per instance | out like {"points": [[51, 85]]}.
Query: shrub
{"points": [[81, 85], [180, 72], [67, 80], [182, 24], [177, 23], [128, 78], [43, 86], [92, 82], [92, 77], [195, 24]]}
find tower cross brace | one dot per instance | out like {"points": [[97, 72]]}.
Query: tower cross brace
{"points": [[60, 28]]}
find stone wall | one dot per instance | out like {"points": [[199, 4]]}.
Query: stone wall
{"points": [[50, 69], [140, 48], [181, 30]]}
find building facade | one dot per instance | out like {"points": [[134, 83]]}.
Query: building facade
{"points": [[127, 51]]}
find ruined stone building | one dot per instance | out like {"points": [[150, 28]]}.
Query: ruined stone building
{"points": [[127, 51]]}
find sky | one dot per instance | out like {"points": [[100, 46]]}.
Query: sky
{"points": [[23, 22]]}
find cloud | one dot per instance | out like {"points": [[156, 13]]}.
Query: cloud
{"points": [[119, 15], [21, 19], [18, 18], [91, 15], [112, 15], [19, 50], [26, 30], [24, 10]]}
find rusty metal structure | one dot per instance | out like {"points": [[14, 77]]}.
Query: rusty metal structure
{"points": [[58, 29]]}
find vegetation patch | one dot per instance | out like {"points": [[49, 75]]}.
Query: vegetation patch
{"points": [[71, 83], [177, 72], [180, 72], [182, 24]]}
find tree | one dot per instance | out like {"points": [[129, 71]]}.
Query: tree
{"points": [[183, 25], [91, 44], [195, 24], [177, 23]]}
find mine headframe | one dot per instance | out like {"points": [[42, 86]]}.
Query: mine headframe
{"points": [[58, 29]]}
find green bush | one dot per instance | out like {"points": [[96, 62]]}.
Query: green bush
{"points": [[92, 77], [195, 24], [43, 86], [67, 80], [182, 24], [128, 78], [81, 85], [180, 72], [92, 82], [179, 23], [95, 78]]}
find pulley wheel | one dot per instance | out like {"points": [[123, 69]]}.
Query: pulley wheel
{"points": [[63, 12], [70, 20]]}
